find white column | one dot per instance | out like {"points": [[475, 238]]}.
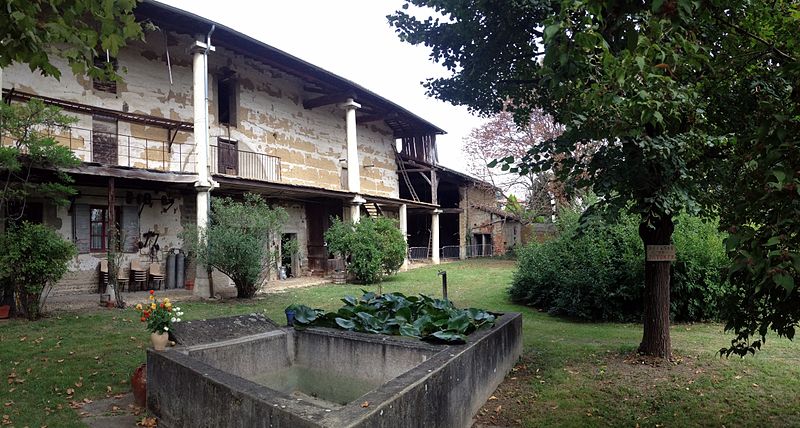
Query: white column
{"points": [[435, 236], [201, 149], [353, 170], [355, 208], [403, 214]]}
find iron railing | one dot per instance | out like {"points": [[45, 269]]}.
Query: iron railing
{"points": [[418, 253], [480, 250], [250, 165], [122, 150], [450, 252]]}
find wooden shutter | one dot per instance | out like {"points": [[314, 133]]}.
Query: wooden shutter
{"points": [[104, 140], [228, 160], [130, 228], [80, 227]]}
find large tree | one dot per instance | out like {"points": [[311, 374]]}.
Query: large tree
{"points": [[79, 31], [500, 137], [663, 86]]}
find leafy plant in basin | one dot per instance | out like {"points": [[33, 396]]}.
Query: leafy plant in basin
{"points": [[420, 316]]}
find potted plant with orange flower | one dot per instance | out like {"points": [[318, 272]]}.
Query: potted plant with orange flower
{"points": [[159, 317]]}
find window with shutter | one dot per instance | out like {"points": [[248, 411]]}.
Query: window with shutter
{"points": [[80, 227], [130, 228]]}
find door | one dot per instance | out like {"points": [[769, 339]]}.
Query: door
{"points": [[228, 159], [318, 217], [104, 140]]}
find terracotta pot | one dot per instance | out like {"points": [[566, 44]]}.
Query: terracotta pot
{"points": [[139, 385], [159, 340], [4, 311], [189, 284]]}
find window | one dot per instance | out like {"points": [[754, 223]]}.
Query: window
{"points": [[98, 227], [226, 102], [104, 85]]}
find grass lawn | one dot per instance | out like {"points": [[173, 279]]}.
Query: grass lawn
{"points": [[572, 374]]}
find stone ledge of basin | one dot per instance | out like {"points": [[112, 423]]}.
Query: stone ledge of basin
{"points": [[240, 388], [231, 341], [353, 415], [196, 332]]}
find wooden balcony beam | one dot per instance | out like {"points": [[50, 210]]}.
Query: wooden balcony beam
{"points": [[327, 100]]}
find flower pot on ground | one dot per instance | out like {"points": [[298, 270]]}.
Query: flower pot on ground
{"points": [[159, 317], [189, 284], [139, 385], [4, 311]]}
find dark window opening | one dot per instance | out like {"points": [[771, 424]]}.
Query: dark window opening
{"points": [[226, 104], [104, 84], [18, 212], [99, 230]]}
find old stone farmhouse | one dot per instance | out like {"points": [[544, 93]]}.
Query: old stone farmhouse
{"points": [[204, 110]]}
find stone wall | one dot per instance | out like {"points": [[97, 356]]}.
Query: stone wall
{"points": [[270, 118]]}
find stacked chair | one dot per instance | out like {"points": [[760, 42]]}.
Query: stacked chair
{"points": [[156, 276], [122, 279], [138, 275]]}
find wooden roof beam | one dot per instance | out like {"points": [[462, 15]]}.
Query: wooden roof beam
{"points": [[326, 100]]}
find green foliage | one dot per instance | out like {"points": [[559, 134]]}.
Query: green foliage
{"points": [[393, 313], [664, 86], [77, 30], [34, 256], [596, 273], [26, 146], [239, 240], [374, 246]]}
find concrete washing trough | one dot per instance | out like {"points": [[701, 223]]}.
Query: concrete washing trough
{"points": [[247, 372]]}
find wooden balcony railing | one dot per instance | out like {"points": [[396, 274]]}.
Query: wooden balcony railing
{"points": [[245, 164], [114, 149]]}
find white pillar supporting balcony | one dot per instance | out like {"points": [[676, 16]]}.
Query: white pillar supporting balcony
{"points": [[403, 216], [355, 208], [435, 236], [204, 183], [353, 170]]}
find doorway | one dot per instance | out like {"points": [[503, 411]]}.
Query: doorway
{"points": [[290, 249]]}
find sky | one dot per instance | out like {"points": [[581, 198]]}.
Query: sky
{"points": [[353, 39]]}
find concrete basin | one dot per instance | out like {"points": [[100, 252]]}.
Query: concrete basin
{"points": [[280, 377]]}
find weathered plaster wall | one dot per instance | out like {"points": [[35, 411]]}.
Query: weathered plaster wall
{"points": [[270, 115], [271, 120], [84, 268]]}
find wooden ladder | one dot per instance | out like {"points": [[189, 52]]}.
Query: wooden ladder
{"points": [[402, 167]]}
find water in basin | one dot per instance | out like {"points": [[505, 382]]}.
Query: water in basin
{"points": [[315, 385]]}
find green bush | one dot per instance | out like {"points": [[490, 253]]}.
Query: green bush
{"points": [[239, 240], [374, 247], [34, 256], [598, 274]]}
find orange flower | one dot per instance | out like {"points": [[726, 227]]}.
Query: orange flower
{"points": [[162, 305], [144, 319], [152, 292]]}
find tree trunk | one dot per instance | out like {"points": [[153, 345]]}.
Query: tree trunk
{"points": [[655, 340]]}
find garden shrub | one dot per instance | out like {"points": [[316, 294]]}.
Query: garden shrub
{"points": [[34, 257], [597, 273], [239, 240], [373, 247]]}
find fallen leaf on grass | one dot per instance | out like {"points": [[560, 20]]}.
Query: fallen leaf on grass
{"points": [[498, 408], [70, 391], [492, 398], [365, 404], [147, 422]]}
